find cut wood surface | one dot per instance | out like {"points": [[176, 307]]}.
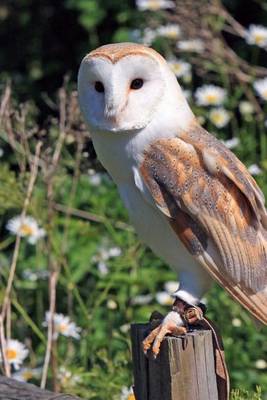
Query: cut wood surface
{"points": [[184, 369], [10, 389]]}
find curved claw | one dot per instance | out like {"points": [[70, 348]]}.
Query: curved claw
{"points": [[155, 338], [147, 342]]}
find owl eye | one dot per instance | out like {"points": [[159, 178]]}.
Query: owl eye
{"points": [[99, 87], [137, 83]]}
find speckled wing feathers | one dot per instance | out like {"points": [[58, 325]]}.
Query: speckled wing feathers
{"points": [[218, 159], [216, 209]]}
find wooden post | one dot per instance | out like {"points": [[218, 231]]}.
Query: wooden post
{"points": [[184, 369]]}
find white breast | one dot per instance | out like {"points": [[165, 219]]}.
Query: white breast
{"points": [[121, 155], [154, 229]]}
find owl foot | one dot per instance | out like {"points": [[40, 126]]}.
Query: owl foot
{"points": [[193, 315], [171, 325]]}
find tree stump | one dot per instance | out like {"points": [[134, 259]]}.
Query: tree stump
{"points": [[183, 370], [10, 389]]}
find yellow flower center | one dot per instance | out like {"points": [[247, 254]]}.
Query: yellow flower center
{"points": [[131, 397], [154, 4], [212, 98], [168, 301], [11, 354], [259, 38], [26, 230], [217, 118], [171, 34], [62, 327], [177, 68], [264, 94], [26, 375]]}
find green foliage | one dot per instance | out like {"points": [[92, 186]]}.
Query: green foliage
{"points": [[91, 12], [83, 216], [11, 192], [244, 395]]}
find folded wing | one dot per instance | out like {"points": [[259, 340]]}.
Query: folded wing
{"points": [[216, 209]]}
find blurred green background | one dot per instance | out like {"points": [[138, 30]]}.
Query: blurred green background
{"points": [[102, 267]]}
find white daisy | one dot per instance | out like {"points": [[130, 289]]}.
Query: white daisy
{"points": [[164, 298], [26, 227], [15, 353], [201, 120], [135, 35], [27, 374], [170, 31], [63, 325], [70, 138], [261, 88], [149, 35], [194, 45], [254, 169], [111, 304], [40, 233], [103, 255], [114, 251], [219, 117], [154, 5], [210, 95], [236, 322], [67, 377], [102, 268], [141, 299], [231, 143], [127, 393], [107, 253], [35, 275], [125, 328], [256, 34], [261, 364], [171, 286], [180, 68], [95, 178], [245, 107]]}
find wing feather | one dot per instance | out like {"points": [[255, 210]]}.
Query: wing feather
{"points": [[216, 209], [217, 158]]}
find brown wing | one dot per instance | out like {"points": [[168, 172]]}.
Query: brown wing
{"points": [[217, 158], [219, 216]]}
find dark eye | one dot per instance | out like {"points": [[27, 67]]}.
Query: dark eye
{"points": [[137, 83], [99, 87]]}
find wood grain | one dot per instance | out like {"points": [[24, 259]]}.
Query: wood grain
{"points": [[184, 369]]}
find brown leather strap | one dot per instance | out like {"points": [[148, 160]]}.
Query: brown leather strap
{"points": [[194, 317]]}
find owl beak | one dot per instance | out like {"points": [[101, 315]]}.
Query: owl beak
{"points": [[112, 105], [111, 112]]}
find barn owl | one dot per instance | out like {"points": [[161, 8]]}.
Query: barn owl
{"points": [[189, 198]]}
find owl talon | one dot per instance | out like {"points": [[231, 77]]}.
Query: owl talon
{"points": [[154, 339]]}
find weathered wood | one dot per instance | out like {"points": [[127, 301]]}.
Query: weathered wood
{"points": [[184, 369], [10, 389]]}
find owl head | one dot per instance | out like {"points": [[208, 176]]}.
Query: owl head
{"points": [[121, 86]]}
